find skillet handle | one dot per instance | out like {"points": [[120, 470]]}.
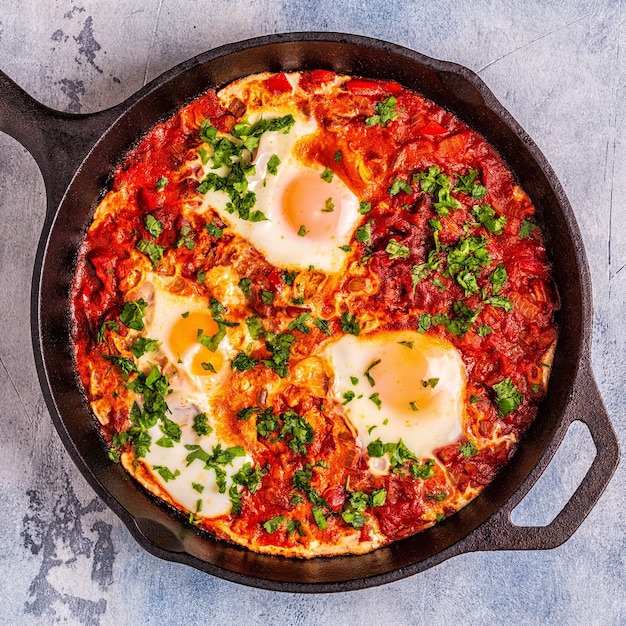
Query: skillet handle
{"points": [[586, 405], [58, 141]]}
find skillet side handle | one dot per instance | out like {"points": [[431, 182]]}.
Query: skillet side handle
{"points": [[57, 141], [499, 533]]}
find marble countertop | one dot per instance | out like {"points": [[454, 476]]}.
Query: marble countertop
{"points": [[558, 67]]}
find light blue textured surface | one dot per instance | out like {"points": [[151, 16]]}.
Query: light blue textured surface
{"points": [[558, 67]]}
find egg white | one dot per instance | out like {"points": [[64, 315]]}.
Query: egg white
{"points": [[409, 404], [277, 238], [189, 394]]}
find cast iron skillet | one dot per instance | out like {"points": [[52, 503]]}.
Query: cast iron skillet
{"points": [[76, 154]]}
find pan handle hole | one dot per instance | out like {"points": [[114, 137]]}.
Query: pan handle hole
{"points": [[559, 480]]}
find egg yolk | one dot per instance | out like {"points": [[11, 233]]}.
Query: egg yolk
{"points": [[402, 380], [183, 341], [310, 207]]}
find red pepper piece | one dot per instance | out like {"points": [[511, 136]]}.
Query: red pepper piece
{"points": [[434, 128], [361, 87], [278, 83]]}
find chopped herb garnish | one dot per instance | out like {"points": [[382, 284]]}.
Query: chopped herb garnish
{"points": [[127, 366], [327, 175], [468, 185], [322, 324], [289, 277], [132, 313], [508, 398], [255, 328], [349, 324], [364, 233], [483, 330], [329, 206], [161, 183], [112, 324], [267, 297], [484, 214], [143, 345], [376, 400], [272, 164], [399, 185], [151, 250], [398, 452], [166, 473], [396, 250], [526, 227], [300, 323], [468, 450], [201, 426], [348, 396], [244, 285], [243, 362], [280, 348], [365, 207], [153, 226], [214, 230], [424, 470], [212, 341], [273, 524], [367, 374], [302, 231], [385, 112]]}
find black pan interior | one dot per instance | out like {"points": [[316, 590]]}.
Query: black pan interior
{"points": [[165, 533]]}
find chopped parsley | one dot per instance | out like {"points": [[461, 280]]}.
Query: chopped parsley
{"points": [[424, 470], [214, 230], [153, 226], [364, 207], [112, 324], [367, 374], [132, 314], [525, 229], [349, 324], [273, 524], [272, 164], [267, 297], [216, 460], [185, 238], [508, 398], [396, 250], [127, 366], [255, 328], [302, 231], [399, 185], [385, 112], [300, 323], [153, 251], [322, 324], [166, 473], [244, 285], [376, 400], [280, 348], [201, 426], [398, 453], [161, 183], [142, 345], [467, 184], [484, 214], [468, 449], [211, 342], [327, 175]]}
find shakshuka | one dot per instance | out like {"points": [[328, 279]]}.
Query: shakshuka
{"points": [[313, 313]]}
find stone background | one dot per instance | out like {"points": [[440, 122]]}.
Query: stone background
{"points": [[558, 67]]}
